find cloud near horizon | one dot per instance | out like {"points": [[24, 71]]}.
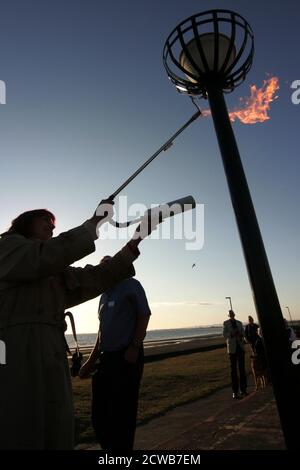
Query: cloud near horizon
{"points": [[183, 303]]}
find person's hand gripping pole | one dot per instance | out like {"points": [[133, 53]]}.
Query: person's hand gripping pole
{"points": [[103, 213]]}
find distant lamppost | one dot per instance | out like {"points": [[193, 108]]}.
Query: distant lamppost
{"points": [[206, 55], [229, 302], [288, 309]]}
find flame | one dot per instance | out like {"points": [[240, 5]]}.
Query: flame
{"points": [[255, 108]]}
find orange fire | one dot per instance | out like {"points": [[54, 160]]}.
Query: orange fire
{"points": [[255, 108]]}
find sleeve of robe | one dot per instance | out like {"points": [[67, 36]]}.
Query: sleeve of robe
{"points": [[25, 260], [83, 284]]}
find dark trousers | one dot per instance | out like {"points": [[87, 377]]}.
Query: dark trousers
{"points": [[115, 390], [237, 360]]}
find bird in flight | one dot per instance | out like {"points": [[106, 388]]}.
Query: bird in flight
{"points": [[194, 265]]}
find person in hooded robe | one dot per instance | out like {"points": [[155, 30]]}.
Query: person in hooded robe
{"points": [[37, 284]]}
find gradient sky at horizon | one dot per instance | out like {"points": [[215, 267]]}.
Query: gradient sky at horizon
{"points": [[88, 100]]}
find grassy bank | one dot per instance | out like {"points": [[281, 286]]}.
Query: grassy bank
{"points": [[166, 384]]}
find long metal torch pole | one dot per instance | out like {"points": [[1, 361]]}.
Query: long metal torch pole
{"points": [[165, 146], [284, 374]]}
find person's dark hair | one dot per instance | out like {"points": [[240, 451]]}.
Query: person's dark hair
{"points": [[23, 223]]}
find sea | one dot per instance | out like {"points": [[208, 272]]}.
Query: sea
{"points": [[88, 339]]}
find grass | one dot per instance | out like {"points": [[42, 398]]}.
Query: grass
{"points": [[166, 384], [175, 381]]}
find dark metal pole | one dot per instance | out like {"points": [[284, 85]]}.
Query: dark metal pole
{"points": [[284, 374]]}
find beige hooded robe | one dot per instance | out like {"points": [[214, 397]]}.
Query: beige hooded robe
{"points": [[36, 285]]}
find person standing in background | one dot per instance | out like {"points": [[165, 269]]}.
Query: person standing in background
{"points": [[251, 331], [233, 332]]}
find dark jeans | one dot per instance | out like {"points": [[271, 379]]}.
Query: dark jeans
{"points": [[115, 390], [238, 359]]}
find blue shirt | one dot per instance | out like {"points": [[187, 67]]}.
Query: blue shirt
{"points": [[118, 311]]}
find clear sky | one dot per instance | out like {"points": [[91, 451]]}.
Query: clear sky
{"points": [[88, 100]]}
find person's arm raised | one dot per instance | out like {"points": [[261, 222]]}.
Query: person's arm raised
{"points": [[91, 281]]}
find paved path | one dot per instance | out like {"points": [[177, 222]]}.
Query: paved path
{"points": [[216, 422]]}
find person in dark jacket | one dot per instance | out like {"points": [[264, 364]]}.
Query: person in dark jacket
{"points": [[251, 331], [124, 314]]}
